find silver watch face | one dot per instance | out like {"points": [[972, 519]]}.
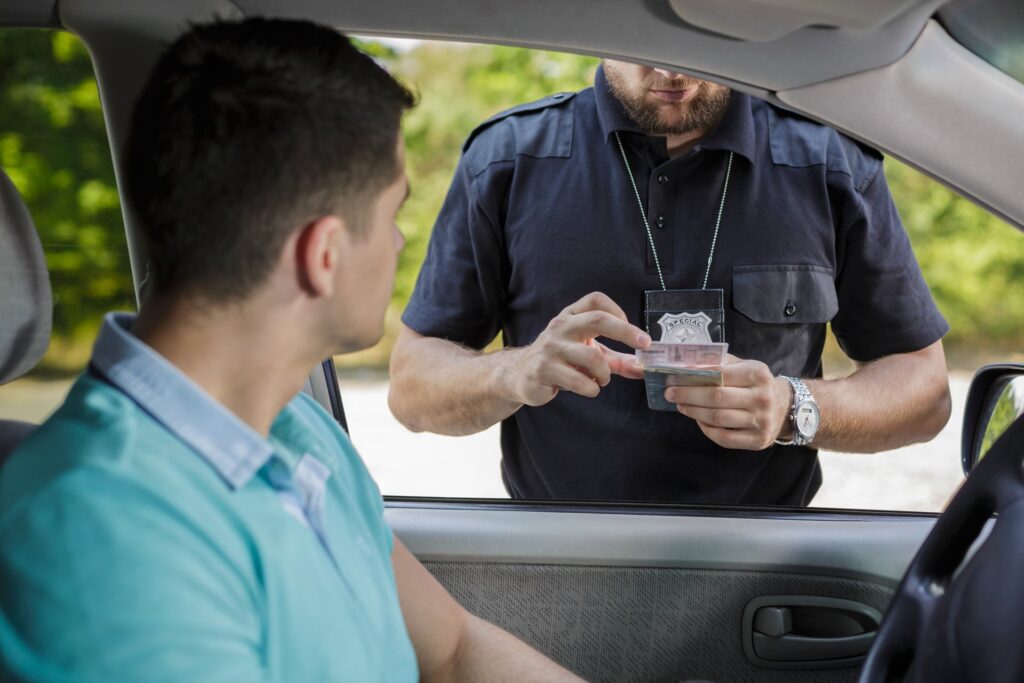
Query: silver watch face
{"points": [[806, 419]]}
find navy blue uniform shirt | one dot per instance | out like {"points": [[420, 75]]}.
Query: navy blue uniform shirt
{"points": [[541, 212]]}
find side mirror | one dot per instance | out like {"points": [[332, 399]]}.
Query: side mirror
{"points": [[994, 402]]}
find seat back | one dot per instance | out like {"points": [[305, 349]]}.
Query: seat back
{"points": [[12, 432], [26, 303]]}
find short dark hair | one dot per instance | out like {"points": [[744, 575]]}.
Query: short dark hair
{"points": [[243, 132]]}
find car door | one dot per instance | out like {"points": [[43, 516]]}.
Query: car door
{"points": [[666, 594]]}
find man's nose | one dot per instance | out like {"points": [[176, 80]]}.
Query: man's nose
{"points": [[668, 73]]}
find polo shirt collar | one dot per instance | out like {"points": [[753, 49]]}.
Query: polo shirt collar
{"points": [[735, 133], [234, 449]]}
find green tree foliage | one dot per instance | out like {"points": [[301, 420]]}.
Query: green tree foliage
{"points": [[973, 261], [54, 146], [460, 86]]}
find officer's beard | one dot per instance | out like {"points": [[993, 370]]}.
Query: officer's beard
{"points": [[702, 112]]}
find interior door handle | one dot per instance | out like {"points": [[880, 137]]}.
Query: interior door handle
{"points": [[802, 632], [790, 648]]}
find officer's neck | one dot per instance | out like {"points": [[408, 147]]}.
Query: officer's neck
{"points": [[677, 145]]}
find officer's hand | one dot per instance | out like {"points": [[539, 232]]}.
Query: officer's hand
{"points": [[568, 356], [748, 412]]}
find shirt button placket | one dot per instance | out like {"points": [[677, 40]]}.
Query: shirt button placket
{"points": [[662, 180], [659, 212]]}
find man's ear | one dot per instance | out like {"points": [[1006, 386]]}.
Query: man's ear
{"points": [[318, 254]]}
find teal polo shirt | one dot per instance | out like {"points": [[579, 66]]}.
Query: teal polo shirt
{"points": [[148, 534]]}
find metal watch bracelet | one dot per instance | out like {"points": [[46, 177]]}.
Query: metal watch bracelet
{"points": [[800, 394]]}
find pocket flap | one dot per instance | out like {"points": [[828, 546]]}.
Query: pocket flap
{"points": [[784, 294]]}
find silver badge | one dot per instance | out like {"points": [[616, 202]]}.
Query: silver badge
{"points": [[685, 328]]}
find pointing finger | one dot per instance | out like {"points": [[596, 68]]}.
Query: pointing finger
{"points": [[596, 301], [602, 324]]}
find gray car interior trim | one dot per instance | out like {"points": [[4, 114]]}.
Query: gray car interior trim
{"points": [[623, 624], [316, 387], [945, 109], [877, 550], [29, 14], [648, 31], [12, 433], [765, 20], [26, 306]]}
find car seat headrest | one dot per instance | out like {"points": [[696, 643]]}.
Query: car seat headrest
{"points": [[26, 303]]}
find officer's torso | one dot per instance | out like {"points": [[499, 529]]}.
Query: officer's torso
{"points": [[571, 224]]}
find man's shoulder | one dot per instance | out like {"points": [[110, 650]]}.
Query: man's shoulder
{"points": [[94, 424], [93, 524], [540, 129], [797, 141], [97, 438]]}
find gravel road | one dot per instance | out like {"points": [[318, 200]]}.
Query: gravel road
{"points": [[919, 478]]}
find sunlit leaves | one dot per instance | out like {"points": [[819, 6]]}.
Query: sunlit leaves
{"points": [[53, 145], [460, 86], [973, 262]]}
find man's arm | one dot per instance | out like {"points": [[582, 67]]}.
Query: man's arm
{"points": [[886, 403], [453, 645], [444, 387]]}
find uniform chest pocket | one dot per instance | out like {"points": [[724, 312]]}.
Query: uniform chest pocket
{"points": [[784, 294], [780, 313]]}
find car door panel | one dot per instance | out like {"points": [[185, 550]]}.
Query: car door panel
{"points": [[655, 595]]}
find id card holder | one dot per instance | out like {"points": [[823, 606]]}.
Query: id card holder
{"points": [[682, 316], [685, 315]]}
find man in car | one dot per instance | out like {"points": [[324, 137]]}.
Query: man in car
{"points": [[187, 515], [656, 205]]}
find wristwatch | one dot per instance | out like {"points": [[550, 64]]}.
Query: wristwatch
{"points": [[804, 416]]}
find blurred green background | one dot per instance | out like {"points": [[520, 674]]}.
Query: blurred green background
{"points": [[53, 145]]}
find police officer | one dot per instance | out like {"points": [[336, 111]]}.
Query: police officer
{"points": [[586, 224]]}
